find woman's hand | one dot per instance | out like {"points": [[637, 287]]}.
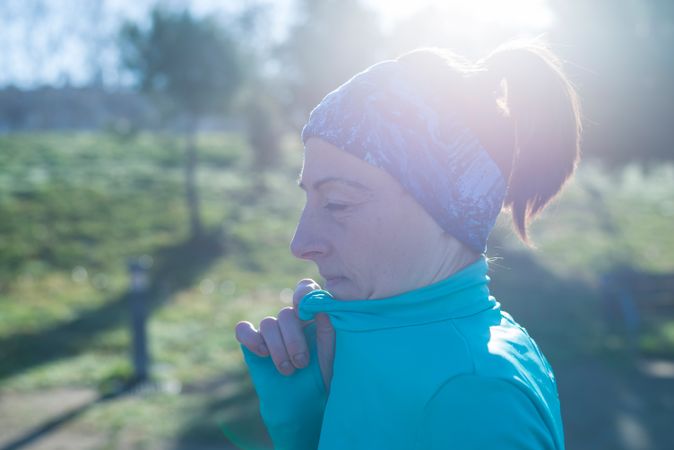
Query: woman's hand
{"points": [[284, 340]]}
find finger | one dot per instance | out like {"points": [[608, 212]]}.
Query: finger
{"points": [[248, 336], [293, 337], [325, 341], [303, 287], [269, 329]]}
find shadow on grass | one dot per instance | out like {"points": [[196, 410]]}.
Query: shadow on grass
{"points": [[175, 268], [563, 315], [232, 418]]}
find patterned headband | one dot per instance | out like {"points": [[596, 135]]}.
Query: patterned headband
{"points": [[381, 116]]}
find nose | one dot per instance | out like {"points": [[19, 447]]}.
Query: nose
{"points": [[309, 239]]}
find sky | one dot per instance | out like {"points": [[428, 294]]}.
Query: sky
{"points": [[526, 13], [58, 41]]}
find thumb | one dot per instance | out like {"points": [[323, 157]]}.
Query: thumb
{"points": [[325, 343]]}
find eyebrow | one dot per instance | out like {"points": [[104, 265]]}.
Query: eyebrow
{"points": [[322, 181]]}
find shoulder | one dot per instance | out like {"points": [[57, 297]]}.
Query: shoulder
{"points": [[476, 411], [503, 349]]}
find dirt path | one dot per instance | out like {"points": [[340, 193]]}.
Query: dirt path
{"points": [[48, 420], [21, 413], [603, 407]]}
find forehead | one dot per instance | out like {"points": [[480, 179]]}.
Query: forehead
{"points": [[324, 160]]}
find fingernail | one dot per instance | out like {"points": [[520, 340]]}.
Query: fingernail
{"points": [[285, 365], [300, 359], [263, 348]]}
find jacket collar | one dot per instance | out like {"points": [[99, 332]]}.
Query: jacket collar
{"points": [[462, 294]]}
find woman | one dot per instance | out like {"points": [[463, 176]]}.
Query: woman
{"points": [[406, 167]]}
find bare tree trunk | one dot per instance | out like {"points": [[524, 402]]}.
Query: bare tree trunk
{"points": [[191, 191]]}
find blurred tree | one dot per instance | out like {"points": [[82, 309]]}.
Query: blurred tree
{"points": [[622, 64], [191, 67], [264, 130], [332, 40], [259, 102]]}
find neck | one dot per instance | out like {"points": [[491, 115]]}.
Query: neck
{"points": [[452, 256], [442, 258]]}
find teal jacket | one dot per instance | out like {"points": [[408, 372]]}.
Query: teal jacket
{"points": [[439, 367]]}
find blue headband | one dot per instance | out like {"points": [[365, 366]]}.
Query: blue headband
{"points": [[381, 116]]}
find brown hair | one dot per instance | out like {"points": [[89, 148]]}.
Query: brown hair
{"points": [[523, 109]]}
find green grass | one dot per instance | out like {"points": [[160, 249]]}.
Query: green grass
{"points": [[76, 206], [602, 219]]}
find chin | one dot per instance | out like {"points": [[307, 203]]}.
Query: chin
{"points": [[341, 290]]}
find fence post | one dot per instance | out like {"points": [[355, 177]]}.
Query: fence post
{"points": [[138, 309]]}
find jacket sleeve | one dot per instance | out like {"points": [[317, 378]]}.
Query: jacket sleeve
{"points": [[291, 406], [472, 412]]}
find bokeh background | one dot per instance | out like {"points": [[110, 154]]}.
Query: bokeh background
{"points": [[148, 161]]}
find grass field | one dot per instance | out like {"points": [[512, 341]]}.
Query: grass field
{"points": [[76, 206]]}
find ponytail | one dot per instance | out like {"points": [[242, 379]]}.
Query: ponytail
{"points": [[520, 105], [543, 108]]}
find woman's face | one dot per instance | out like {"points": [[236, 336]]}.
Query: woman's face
{"points": [[369, 238]]}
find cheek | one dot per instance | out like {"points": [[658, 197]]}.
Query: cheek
{"points": [[377, 246], [373, 234], [356, 235], [359, 240], [398, 232]]}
